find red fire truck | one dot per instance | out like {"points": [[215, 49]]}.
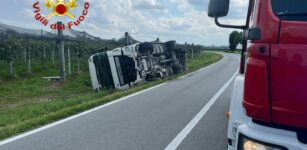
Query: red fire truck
{"points": [[269, 103]]}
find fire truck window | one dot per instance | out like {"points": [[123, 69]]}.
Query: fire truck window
{"points": [[291, 10]]}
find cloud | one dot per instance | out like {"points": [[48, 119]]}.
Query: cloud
{"points": [[145, 20], [200, 5], [198, 2], [149, 5]]}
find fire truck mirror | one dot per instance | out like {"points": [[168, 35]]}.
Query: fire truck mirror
{"points": [[218, 8]]}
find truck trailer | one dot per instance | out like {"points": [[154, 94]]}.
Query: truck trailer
{"points": [[269, 102], [126, 66]]}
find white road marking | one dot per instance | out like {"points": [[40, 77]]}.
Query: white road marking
{"points": [[74, 116], [189, 127], [12, 139]]}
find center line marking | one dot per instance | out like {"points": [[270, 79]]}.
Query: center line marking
{"points": [[189, 127]]}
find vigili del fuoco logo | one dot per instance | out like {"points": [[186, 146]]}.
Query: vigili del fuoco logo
{"points": [[60, 8]]}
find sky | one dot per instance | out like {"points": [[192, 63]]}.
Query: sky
{"points": [[145, 20]]}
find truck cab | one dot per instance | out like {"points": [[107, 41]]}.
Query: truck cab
{"points": [[269, 103]]}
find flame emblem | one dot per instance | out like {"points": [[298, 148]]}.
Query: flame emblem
{"points": [[60, 8]]}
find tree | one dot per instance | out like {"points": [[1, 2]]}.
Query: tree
{"points": [[7, 51], [234, 40], [241, 38]]}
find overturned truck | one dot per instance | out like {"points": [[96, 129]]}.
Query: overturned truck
{"points": [[124, 67]]}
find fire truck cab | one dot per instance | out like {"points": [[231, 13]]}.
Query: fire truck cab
{"points": [[269, 103]]}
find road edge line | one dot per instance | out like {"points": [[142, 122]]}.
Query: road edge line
{"points": [[189, 127]]}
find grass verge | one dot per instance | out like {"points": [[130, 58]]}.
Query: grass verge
{"points": [[40, 103]]}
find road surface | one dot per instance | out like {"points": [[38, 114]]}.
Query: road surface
{"points": [[188, 113]]}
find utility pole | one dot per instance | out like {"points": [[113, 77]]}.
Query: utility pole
{"points": [[62, 52]]}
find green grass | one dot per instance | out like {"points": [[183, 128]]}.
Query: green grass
{"points": [[29, 102]]}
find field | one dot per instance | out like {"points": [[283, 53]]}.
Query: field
{"points": [[28, 102]]}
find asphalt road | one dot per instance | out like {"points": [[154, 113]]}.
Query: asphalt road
{"points": [[149, 120]]}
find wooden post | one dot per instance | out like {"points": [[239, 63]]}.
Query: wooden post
{"points": [[69, 63], [11, 67], [79, 69], [198, 49], [186, 48], [62, 52], [44, 49], [53, 55], [192, 51], [25, 54], [29, 62]]}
